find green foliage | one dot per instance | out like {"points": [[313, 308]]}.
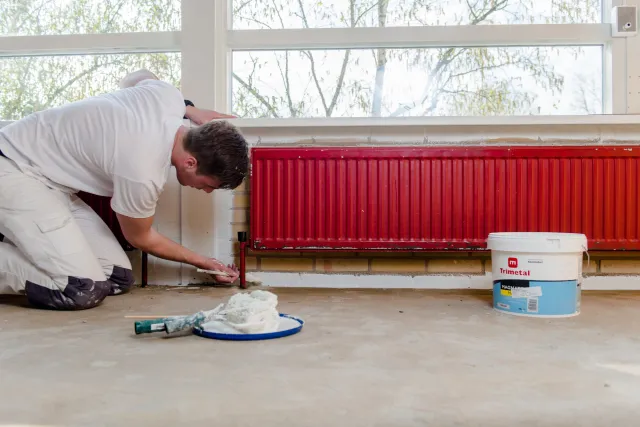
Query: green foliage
{"points": [[40, 17], [36, 83]]}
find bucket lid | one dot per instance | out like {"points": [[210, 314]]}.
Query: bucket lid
{"points": [[537, 242]]}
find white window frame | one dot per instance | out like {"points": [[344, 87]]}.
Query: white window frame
{"points": [[89, 44]]}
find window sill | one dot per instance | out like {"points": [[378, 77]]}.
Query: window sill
{"points": [[457, 122], [580, 130]]}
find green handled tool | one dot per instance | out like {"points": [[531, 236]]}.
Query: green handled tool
{"points": [[152, 325], [174, 324]]}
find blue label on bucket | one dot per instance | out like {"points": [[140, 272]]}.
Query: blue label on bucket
{"points": [[537, 298]]}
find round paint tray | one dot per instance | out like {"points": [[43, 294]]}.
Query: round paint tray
{"points": [[289, 325]]}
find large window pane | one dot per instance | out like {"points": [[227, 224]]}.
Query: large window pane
{"points": [[31, 84], [48, 17], [264, 14], [418, 82]]}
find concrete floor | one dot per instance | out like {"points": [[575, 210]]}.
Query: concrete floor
{"points": [[364, 358]]}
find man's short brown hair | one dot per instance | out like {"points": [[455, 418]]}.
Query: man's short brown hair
{"points": [[221, 152]]}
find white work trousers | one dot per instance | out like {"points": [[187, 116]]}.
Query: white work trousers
{"points": [[56, 251]]}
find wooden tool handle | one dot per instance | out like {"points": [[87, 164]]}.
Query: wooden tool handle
{"points": [[213, 272], [150, 317]]}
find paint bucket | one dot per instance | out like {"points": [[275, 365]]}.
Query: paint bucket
{"points": [[537, 274]]}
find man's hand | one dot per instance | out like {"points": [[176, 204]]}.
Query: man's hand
{"points": [[139, 233], [200, 116], [231, 270]]}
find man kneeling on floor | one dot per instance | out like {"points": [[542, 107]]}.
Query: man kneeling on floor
{"points": [[56, 249]]}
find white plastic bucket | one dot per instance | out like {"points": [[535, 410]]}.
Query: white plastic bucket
{"points": [[537, 274]]}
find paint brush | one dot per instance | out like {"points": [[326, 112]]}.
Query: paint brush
{"points": [[152, 317], [175, 323], [250, 278]]}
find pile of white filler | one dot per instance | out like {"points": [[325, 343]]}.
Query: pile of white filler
{"points": [[245, 313]]}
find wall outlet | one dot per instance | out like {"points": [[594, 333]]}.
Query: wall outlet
{"points": [[624, 21]]}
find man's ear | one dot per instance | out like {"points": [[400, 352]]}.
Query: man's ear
{"points": [[191, 162]]}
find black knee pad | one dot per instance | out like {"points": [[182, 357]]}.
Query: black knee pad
{"points": [[121, 280], [79, 294]]}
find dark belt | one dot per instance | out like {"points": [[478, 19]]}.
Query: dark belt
{"points": [[2, 154]]}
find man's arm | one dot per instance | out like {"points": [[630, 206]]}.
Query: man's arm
{"points": [[139, 233], [201, 116]]}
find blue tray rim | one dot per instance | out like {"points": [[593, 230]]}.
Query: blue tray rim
{"points": [[252, 337]]}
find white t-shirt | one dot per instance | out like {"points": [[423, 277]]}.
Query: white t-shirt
{"points": [[116, 145]]}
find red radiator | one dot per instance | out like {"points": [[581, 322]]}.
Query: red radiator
{"points": [[415, 198]]}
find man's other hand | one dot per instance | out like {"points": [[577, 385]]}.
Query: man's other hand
{"points": [[200, 116]]}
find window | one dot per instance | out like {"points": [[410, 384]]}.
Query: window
{"points": [[50, 81], [324, 58], [388, 58], [81, 48], [274, 14], [418, 82], [48, 17]]}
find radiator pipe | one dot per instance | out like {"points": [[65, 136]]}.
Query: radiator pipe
{"points": [[144, 269], [242, 238]]}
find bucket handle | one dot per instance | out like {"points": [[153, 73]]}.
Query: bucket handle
{"points": [[588, 257]]}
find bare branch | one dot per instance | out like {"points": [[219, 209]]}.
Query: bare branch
{"points": [[240, 7], [498, 6], [434, 104], [278, 12], [317, 82], [471, 10], [336, 93], [264, 24], [352, 12], [328, 108], [115, 14], [257, 95], [357, 20], [343, 69], [309, 55], [287, 84], [68, 84], [304, 15], [447, 58], [381, 62], [285, 74], [474, 70], [479, 93], [31, 15], [441, 88], [294, 113], [23, 80]]}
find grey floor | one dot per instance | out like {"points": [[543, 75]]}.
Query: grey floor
{"points": [[364, 358]]}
